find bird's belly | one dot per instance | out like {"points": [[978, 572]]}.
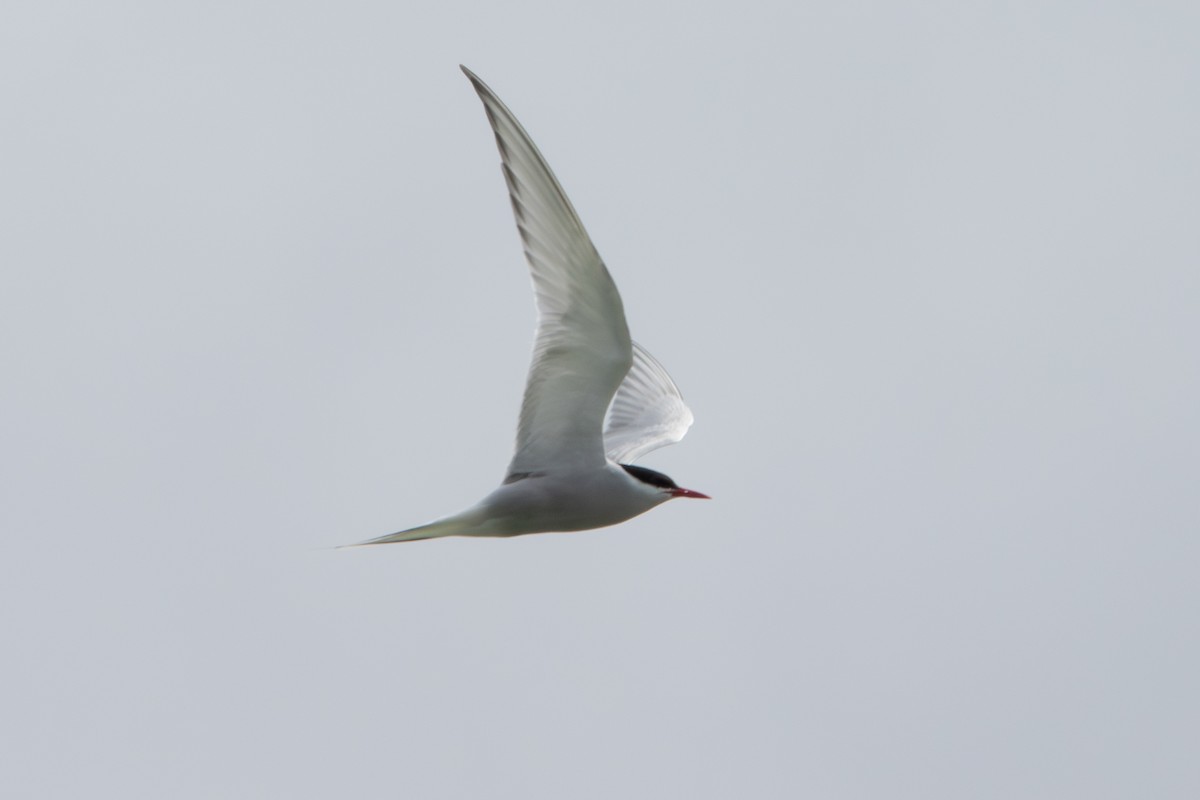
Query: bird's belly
{"points": [[538, 505]]}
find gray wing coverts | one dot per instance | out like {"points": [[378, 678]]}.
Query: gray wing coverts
{"points": [[591, 392], [582, 349]]}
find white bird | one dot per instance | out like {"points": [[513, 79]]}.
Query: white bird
{"points": [[594, 402]]}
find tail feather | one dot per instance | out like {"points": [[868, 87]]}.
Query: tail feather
{"points": [[449, 526]]}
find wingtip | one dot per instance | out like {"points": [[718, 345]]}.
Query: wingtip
{"points": [[482, 89], [471, 76]]}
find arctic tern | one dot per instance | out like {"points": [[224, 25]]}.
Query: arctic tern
{"points": [[595, 401]]}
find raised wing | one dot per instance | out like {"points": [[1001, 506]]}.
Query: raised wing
{"points": [[581, 350], [647, 412]]}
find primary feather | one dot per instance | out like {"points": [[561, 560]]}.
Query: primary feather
{"points": [[582, 349]]}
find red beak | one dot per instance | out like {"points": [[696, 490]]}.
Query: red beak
{"points": [[677, 492]]}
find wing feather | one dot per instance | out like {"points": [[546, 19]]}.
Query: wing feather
{"points": [[582, 349], [647, 412]]}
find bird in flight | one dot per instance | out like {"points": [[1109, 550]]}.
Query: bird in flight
{"points": [[595, 401]]}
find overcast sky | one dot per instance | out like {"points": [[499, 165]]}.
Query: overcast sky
{"points": [[927, 273]]}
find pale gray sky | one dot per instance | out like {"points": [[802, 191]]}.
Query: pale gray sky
{"points": [[927, 273]]}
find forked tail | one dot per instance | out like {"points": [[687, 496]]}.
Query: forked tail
{"points": [[456, 525]]}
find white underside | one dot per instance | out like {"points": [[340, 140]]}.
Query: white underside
{"points": [[567, 501]]}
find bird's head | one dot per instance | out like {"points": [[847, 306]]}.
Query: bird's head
{"points": [[661, 483]]}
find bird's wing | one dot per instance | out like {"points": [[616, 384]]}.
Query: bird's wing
{"points": [[582, 349], [647, 412]]}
